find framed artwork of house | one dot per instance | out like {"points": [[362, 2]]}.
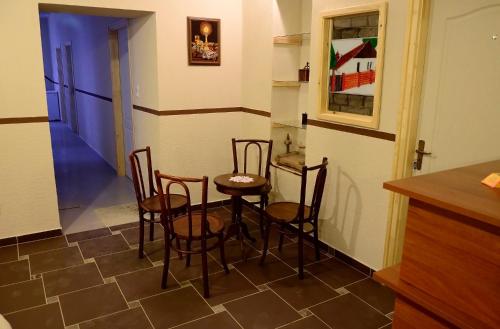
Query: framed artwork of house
{"points": [[203, 41], [352, 53]]}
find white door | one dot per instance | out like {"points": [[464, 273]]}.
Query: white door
{"points": [[60, 77], [125, 96], [73, 115], [460, 114]]}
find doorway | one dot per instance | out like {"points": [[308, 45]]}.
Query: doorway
{"points": [[91, 143], [450, 101]]}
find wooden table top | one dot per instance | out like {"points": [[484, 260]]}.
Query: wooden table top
{"points": [[459, 190], [224, 185]]}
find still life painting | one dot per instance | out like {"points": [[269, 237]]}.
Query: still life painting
{"points": [[203, 41]]}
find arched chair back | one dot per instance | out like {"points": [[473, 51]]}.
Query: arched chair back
{"points": [[142, 173], [287, 213], [193, 226], [264, 157], [263, 167]]}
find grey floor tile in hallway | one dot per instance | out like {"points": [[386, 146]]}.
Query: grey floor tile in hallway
{"points": [[98, 281], [85, 182]]}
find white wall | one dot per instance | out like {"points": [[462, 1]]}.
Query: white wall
{"points": [[354, 211], [88, 36]]}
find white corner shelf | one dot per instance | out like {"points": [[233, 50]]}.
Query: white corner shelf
{"points": [[287, 124], [287, 84]]}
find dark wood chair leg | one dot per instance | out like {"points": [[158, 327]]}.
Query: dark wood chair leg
{"points": [[262, 206], [316, 241], [188, 256], [166, 262], [141, 235], [204, 264], [151, 226], [222, 253], [282, 235], [301, 252], [178, 246], [267, 232]]}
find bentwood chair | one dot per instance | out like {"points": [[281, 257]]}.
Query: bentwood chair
{"points": [[305, 216], [194, 226], [148, 200], [263, 167]]}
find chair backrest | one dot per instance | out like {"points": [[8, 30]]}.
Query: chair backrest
{"points": [[259, 144], [319, 186], [165, 183], [138, 159]]}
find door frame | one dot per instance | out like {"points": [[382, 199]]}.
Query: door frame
{"points": [[412, 74], [117, 101], [113, 30]]}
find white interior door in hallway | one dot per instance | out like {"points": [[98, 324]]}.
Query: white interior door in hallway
{"points": [[73, 115], [460, 107], [60, 78]]}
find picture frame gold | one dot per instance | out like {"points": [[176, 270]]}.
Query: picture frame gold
{"points": [[329, 80]]}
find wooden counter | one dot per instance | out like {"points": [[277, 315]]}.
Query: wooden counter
{"points": [[449, 275]]}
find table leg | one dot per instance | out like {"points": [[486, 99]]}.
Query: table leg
{"points": [[238, 225]]}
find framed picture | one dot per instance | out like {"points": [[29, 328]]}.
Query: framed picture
{"points": [[203, 41], [352, 54]]}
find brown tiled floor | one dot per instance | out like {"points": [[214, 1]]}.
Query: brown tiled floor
{"points": [[95, 279]]}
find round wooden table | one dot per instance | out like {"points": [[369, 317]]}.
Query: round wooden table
{"points": [[237, 190]]}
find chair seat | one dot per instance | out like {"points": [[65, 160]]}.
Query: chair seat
{"points": [[285, 212], [153, 204], [181, 225]]}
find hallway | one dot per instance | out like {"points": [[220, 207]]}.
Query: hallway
{"points": [[86, 184]]}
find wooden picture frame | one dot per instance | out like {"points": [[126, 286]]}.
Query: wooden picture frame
{"points": [[203, 41], [350, 82]]}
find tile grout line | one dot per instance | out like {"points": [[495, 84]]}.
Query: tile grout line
{"points": [[309, 316], [321, 320], [160, 293], [60, 310], [293, 308], [234, 319], [101, 316], [191, 321], [46, 251], [33, 241], [380, 312], [146, 315], [19, 282], [331, 287], [23, 309]]}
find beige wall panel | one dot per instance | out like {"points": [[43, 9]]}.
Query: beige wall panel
{"points": [[22, 86], [28, 201], [254, 126], [257, 50], [198, 145], [143, 60], [354, 208], [186, 87]]}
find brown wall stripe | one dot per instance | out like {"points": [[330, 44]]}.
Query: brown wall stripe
{"points": [[316, 123], [257, 112], [352, 130], [6, 121], [201, 111]]}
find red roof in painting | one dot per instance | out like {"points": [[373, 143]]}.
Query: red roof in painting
{"points": [[364, 50]]}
